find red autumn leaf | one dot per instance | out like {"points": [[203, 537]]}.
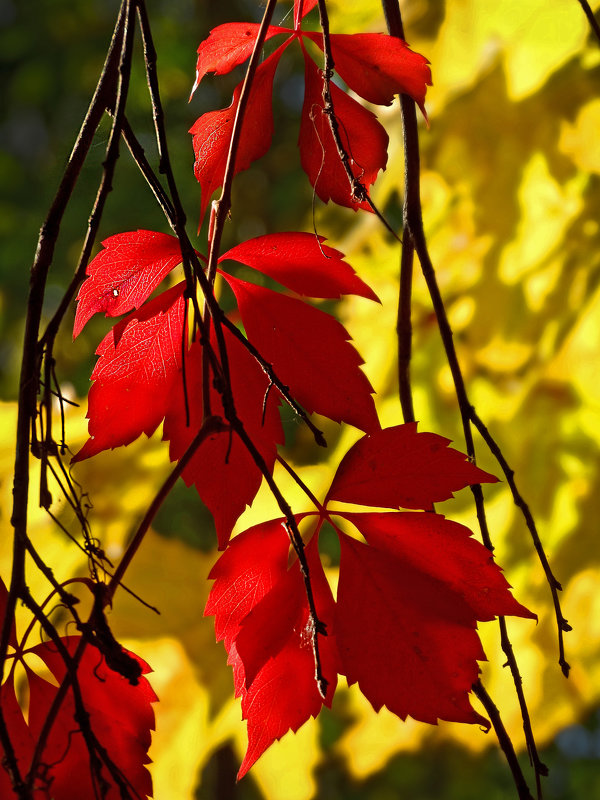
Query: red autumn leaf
{"points": [[310, 353], [120, 717], [212, 131], [228, 46], [302, 263], [398, 467], [20, 735], [301, 9], [407, 608], [377, 66], [261, 612], [133, 379], [123, 275], [364, 139], [224, 473]]}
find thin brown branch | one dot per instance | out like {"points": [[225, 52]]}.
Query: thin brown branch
{"points": [[358, 191], [413, 227], [210, 426], [555, 587], [590, 18], [504, 740], [29, 379], [404, 328]]}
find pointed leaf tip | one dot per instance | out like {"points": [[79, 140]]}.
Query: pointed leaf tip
{"points": [[398, 467]]}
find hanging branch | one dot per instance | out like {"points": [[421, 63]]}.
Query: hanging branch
{"points": [[29, 379], [504, 739], [413, 228], [358, 190], [590, 18]]}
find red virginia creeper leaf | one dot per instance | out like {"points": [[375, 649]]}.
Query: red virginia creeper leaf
{"points": [[139, 363], [407, 609], [398, 467], [120, 716], [301, 9], [212, 132], [228, 46], [302, 263], [377, 66], [310, 353], [222, 470], [125, 273], [22, 740], [261, 611], [364, 139]]}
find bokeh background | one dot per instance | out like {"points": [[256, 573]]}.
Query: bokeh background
{"points": [[511, 192]]}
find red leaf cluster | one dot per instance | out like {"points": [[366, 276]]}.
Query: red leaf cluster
{"points": [[412, 587], [147, 371], [412, 584], [375, 66], [119, 716]]}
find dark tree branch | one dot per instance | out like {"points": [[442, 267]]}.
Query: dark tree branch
{"points": [[29, 379], [358, 191], [413, 227], [590, 18], [504, 740]]}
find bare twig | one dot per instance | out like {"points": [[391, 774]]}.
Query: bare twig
{"points": [[29, 380], [413, 228], [358, 191], [504, 740], [590, 18]]}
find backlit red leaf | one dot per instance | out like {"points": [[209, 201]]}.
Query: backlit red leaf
{"points": [[310, 353], [268, 635], [224, 473], [407, 609], [364, 139], [125, 273], [211, 133], [302, 263], [377, 66], [399, 467], [134, 377], [228, 46], [21, 737], [120, 717]]}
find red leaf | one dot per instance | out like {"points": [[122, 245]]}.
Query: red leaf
{"points": [[212, 132], [22, 741], [139, 363], [364, 139], [228, 46], [397, 467], [377, 66], [261, 611], [222, 470], [310, 353], [120, 717], [125, 273], [407, 609], [301, 9], [302, 263]]}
